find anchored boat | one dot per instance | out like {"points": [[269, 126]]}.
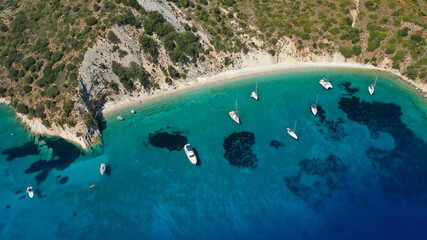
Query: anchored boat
{"points": [[371, 87], [292, 132], [190, 154], [235, 115], [325, 83], [30, 192], [254, 94], [314, 106], [102, 168]]}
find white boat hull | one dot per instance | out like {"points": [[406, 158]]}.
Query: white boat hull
{"points": [[371, 89], [234, 116], [102, 168], [190, 154], [254, 96], [292, 133], [326, 84], [314, 109], [30, 192]]}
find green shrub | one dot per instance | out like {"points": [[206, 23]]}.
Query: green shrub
{"points": [[96, 7], [52, 92], [89, 120], [90, 21], [168, 81], [357, 49], [173, 72], [346, 52], [112, 37], [68, 107], [27, 88], [122, 53], [22, 108], [30, 61], [149, 46], [403, 32], [390, 48], [113, 85], [372, 5], [399, 56]]}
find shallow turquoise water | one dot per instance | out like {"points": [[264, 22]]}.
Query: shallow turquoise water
{"points": [[359, 169]]}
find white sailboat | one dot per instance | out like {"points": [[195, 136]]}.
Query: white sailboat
{"points": [[371, 87], [102, 168], [314, 106], [254, 95], [292, 132], [132, 111], [235, 115], [190, 154], [30, 192], [120, 118], [325, 83]]}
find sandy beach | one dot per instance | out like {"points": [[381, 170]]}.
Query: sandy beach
{"points": [[231, 75]]}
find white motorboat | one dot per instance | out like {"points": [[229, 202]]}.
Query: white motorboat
{"points": [[30, 192], [254, 94], [120, 118], [314, 107], [102, 168], [190, 154], [292, 132], [132, 111], [235, 115], [325, 83], [371, 87]]}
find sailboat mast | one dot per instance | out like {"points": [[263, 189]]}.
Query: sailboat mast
{"points": [[237, 110], [295, 127], [256, 88], [317, 98], [375, 83]]}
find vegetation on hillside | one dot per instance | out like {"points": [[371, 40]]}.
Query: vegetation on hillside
{"points": [[43, 42], [383, 28]]}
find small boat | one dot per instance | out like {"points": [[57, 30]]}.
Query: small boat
{"points": [[30, 192], [120, 118], [132, 111], [254, 95], [371, 87], [325, 83], [235, 115], [292, 132], [190, 154], [91, 186], [314, 107], [102, 168]]}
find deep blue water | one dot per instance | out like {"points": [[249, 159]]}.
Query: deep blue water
{"points": [[358, 170]]}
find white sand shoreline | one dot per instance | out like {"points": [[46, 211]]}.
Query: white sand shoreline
{"points": [[232, 75]]}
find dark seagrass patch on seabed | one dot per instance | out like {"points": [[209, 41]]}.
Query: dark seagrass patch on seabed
{"points": [[317, 179], [64, 154], [28, 149], [238, 150], [276, 144], [402, 169], [331, 129], [349, 89], [172, 141], [63, 180]]}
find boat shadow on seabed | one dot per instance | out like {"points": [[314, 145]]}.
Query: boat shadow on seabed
{"points": [[199, 162]]}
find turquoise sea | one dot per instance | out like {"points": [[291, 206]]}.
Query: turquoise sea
{"points": [[358, 170]]}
